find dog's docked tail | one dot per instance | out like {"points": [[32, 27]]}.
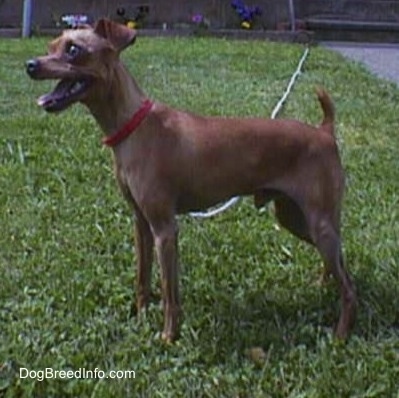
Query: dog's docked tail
{"points": [[328, 110]]}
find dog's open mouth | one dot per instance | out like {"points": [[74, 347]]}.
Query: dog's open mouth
{"points": [[66, 92]]}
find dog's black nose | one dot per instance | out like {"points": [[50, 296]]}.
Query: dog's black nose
{"points": [[32, 66]]}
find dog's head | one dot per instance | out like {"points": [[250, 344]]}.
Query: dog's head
{"points": [[82, 60]]}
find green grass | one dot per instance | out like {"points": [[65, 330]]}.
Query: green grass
{"points": [[67, 262]]}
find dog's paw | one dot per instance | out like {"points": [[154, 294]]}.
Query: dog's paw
{"points": [[168, 338]]}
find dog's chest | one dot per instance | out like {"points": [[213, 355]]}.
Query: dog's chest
{"points": [[123, 181]]}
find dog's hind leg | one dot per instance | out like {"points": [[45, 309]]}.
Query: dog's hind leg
{"points": [[328, 243], [320, 232], [291, 217], [287, 212]]}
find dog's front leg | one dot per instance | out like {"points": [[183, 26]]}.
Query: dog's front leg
{"points": [[144, 244], [165, 235]]}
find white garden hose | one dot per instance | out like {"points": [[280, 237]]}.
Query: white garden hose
{"points": [[220, 209]]}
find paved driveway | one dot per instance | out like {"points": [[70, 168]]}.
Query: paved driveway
{"points": [[382, 59]]}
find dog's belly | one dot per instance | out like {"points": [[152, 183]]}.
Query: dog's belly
{"points": [[209, 197], [247, 177]]}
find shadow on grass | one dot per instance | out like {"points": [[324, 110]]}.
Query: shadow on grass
{"points": [[279, 320]]}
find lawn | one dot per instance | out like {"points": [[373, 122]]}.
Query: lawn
{"points": [[256, 323]]}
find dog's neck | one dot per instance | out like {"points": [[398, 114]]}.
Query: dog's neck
{"points": [[122, 98]]}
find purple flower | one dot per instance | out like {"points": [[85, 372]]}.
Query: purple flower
{"points": [[197, 18]]}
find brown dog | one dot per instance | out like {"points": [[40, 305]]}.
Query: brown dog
{"points": [[169, 161]]}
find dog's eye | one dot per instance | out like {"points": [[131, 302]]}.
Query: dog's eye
{"points": [[73, 51]]}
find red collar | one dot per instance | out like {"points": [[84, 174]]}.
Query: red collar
{"points": [[130, 126]]}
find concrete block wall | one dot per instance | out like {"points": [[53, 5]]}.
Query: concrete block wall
{"points": [[219, 12]]}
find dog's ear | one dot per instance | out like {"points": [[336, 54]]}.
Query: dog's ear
{"points": [[120, 36]]}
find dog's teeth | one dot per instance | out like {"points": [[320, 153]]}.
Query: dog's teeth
{"points": [[41, 101]]}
